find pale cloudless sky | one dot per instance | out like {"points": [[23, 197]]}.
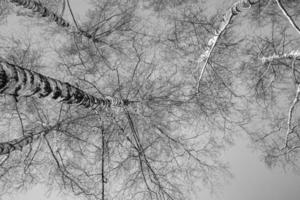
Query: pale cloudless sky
{"points": [[252, 179]]}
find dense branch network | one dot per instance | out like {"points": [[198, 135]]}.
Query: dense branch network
{"points": [[152, 149]]}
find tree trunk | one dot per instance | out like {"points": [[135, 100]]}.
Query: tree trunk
{"points": [[234, 10], [45, 12], [17, 81], [17, 144], [39, 8]]}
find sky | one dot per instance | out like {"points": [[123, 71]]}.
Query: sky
{"points": [[252, 179]]}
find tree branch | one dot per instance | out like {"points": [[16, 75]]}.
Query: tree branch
{"points": [[295, 54]]}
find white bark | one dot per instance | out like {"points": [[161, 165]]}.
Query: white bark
{"points": [[17, 81], [227, 19]]}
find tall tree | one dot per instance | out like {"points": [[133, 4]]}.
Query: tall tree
{"points": [[171, 118], [272, 74]]}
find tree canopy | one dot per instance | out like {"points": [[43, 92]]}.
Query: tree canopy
{"points": [[138, 99]]}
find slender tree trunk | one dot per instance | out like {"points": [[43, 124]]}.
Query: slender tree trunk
{"points": [[16, 144], [39, 8], [234, 10], [21, 142], [17, 81], [102, 164], [45, 12]]}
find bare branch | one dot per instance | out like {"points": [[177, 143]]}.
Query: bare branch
{"points": [[291, 55]]}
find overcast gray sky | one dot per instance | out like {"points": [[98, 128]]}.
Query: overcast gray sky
{"points": [[252, 179]]}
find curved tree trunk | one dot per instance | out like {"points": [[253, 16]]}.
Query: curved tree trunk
{"points": [[234, 10], [17, 81]]}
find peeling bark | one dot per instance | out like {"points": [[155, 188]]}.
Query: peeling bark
{"points": [[235, 9], [17, 144], [39, 8], [45, 12], [18, 81]]}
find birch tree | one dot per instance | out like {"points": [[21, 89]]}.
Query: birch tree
{"points": [[272, 74], [147, 96], [134, 142]]}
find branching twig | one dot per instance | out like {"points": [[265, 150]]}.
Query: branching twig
{"points": [[143, 159], [66, 174]]}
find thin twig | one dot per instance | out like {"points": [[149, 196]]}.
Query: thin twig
{"points": [[63, 8], [72, 15], [102, 163], [19, 115]]}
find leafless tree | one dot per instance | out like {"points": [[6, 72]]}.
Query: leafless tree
{"points": [[271, 68], [166, 100]]}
